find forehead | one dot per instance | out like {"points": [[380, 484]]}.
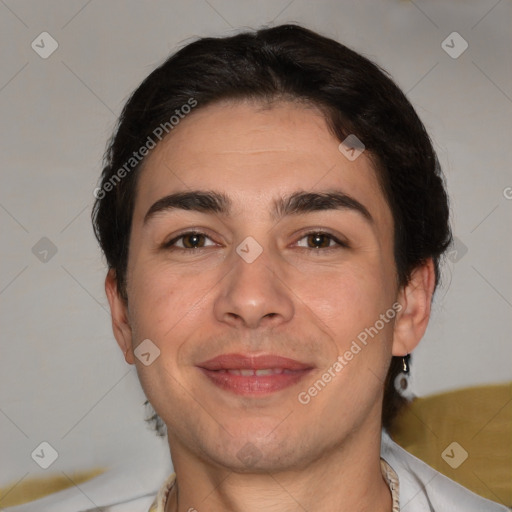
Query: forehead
{"points": [[250, 151]]}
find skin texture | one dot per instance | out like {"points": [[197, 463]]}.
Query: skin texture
{"points": [[295, 300]]}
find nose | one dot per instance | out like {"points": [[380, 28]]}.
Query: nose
{"points": [[254, 295]]}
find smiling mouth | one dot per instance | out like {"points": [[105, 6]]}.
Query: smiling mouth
{"points": [[249, 372], [254, 375]]}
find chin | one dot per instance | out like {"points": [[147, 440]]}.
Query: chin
{"points": [[258, 448], [254, 458]]}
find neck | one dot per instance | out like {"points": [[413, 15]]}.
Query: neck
{"points": [[346, 478]]}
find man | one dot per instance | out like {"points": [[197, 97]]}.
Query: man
{"points": [[273, 216]]}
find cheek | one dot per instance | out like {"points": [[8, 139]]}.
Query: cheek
{"points": [[171, 307], [156, 300], [348, 300]]}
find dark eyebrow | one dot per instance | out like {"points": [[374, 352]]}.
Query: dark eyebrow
{"points": [[306, 202], [199, 201], [294, 204]]}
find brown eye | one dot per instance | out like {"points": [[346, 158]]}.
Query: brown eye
{"points": [[193, 240], [318, 240], [190, 240]]}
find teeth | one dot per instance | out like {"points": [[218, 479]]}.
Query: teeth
{"points": [[269, 371], [258, 373]]}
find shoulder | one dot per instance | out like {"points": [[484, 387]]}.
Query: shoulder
{"points": [[423, 489]]}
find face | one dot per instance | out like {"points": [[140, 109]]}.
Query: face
{"points": [[268, 286]]}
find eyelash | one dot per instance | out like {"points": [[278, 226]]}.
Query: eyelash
{"points": [[340, 244]]}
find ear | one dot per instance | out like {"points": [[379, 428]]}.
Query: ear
{"points": [[120, 318], [415, 299]]}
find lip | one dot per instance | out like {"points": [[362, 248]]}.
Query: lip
{"points": [[231, 372]]}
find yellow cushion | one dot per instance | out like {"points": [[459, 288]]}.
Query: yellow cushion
{"points": [[33, 488], [479, 420]]}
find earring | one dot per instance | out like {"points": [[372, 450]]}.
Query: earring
{"points": [[402, 384], [405, 364]]}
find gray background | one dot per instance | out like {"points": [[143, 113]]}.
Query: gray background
{"points": [[64, 379]]}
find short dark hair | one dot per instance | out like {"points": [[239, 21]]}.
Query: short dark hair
{"points": [[287, 62]]}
